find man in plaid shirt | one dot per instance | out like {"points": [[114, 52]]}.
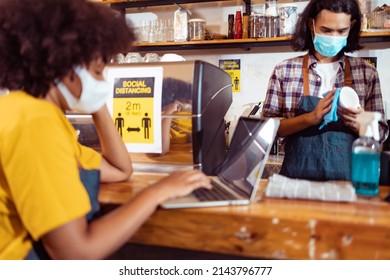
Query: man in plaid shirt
{"points": [[301, 91]]}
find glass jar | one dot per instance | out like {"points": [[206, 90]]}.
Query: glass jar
{"points": [[197, 29], [257, 26], [272, 26], [288, 19]]}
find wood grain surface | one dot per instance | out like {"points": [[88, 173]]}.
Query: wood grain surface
{"points": [[267, 228]]}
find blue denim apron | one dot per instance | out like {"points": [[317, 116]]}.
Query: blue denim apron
{"points": [[316, 154], [91, 182]]}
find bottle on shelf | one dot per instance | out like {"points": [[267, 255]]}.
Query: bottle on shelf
{"points": [[363, 11], [238, 26], [180, 25], [366, 155], [245, 26], [230, 26]]}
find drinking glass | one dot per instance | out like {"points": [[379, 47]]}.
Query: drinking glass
{"points": [[133, 57], [144, 31], [153, 30], [151, 57]]}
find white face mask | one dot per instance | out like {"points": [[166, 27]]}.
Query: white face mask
{"points": [[93, 93]]}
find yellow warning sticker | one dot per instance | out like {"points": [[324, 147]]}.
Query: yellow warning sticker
{"points": [[136, 106], [233, 68], [133, 109]]}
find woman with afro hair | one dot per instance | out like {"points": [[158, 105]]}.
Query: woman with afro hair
{"points": [[52, 56]]}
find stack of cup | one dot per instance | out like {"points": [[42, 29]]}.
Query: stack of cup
{"points": [[158, 30]]}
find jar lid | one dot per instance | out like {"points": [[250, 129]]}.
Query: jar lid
{"points": [[197, 20]]}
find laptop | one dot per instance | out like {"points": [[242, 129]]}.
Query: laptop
{"points": [[239, 176]]}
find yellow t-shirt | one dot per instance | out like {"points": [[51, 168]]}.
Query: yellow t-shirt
{"points": [[40, 187]]}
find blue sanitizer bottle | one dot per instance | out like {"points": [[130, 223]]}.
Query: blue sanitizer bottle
{"points": [[366, 155]]}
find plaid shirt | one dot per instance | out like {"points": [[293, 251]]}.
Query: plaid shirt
{"points": [[285, 87]]}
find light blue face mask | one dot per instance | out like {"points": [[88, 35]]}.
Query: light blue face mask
{"points": [[329, 45]]}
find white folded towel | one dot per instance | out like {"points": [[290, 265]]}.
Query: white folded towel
{"points": [[281, 186]]}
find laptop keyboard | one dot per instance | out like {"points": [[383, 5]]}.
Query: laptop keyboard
{"points": [[216, 193]]}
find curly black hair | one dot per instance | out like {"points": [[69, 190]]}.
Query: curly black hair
{"points": [[302, 39], [41, 41]]}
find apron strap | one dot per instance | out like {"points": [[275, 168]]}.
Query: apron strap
{"points": [[305, 69], [347, 71]]}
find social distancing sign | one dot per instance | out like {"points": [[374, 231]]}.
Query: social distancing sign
{"points": [[133, 109], [233, 68], [136, 106]]}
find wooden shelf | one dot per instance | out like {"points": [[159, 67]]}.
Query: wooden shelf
{"points": [[375, 33], [122, 5], [246, 44], [145, 3]]}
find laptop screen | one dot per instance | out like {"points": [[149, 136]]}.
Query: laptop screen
{"points": [[248, 153]]}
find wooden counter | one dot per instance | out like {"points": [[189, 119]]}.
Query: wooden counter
{"points": [[269, 228], [180, 157]]}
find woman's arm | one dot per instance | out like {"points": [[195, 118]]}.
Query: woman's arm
{"points": [[116, 163], [80, 240]]}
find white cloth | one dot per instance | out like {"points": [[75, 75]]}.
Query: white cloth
{"points": [[284, 187]]}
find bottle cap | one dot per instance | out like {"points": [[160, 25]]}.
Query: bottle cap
{"points": [[368, 122]]}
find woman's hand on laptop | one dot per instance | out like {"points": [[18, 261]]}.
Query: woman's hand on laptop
{"points": [[181, 183]]}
